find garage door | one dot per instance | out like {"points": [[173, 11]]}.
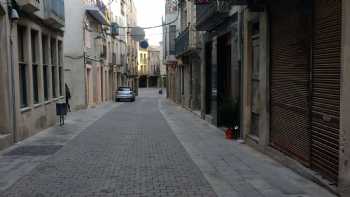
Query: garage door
{"points": [[326, 87], [290, 60]]}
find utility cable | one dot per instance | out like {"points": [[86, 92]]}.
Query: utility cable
{"points": [[157, 26]]}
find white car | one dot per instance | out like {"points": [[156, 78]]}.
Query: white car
{"points": [[125, 94]]}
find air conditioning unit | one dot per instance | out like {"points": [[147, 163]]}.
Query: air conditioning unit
{"points": [[29, 6]]}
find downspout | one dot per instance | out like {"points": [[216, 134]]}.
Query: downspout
{"points": [[11, 86], [241, 70], [85, 70]]}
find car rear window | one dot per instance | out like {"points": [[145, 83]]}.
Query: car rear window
{"points": [[124, 89]]}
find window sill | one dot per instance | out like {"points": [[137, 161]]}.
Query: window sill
{"points": [[37, 105], [58, 98], [25, 109]]}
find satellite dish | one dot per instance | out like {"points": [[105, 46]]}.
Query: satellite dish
{"points": [[144, 44], [137, 33]]}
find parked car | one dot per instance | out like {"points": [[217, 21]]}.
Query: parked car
{"points": [[125, 94]]}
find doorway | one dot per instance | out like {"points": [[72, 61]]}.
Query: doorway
{"points": [[208, 67], [227, 105], [255, 77], [89, 88]]}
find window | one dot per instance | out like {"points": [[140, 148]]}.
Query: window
{"points": [[35, 84], [87, 39], [46, 86], [60, 54], [23, 85], [122, 7], [45, 46], [172, 36], [35, 59], [22, 67], [60, 68], [21, 43], [53, 52], [104, 51], [45, 49], [53, 67], [53, 73], [60, 80], [34, 43]]}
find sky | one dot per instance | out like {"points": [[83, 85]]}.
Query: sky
{"points": [[149, 13]]}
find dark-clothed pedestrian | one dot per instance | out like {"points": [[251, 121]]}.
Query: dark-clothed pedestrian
{"points": [[68, 97]]}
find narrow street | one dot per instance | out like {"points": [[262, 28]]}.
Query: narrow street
{"points": [[148, 148]]}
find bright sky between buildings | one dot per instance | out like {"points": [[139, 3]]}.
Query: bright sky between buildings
{"points": [[149, 13]]}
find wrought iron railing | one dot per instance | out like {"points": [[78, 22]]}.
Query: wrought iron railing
{"points": [[57, 8], [182, 42], [206, 13]]}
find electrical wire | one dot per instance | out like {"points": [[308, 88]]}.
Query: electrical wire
{"points": [[159, 33], [157, 26]]}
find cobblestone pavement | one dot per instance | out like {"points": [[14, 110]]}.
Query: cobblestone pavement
{"points": [[131, 151], [148, 148], [15, 166], [234, 169]]}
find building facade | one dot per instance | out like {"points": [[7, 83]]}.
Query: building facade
{"points": [[171, 27], [163, 74], [278, 71], [32, 60], [182, 54], [154, 66], [119, 10], [143, 67], [96, 64], [132, 47]]}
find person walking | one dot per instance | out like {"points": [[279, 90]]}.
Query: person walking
{"points": [[68, 97]]}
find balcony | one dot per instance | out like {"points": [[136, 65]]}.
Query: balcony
{"points": [[99, 12], [182, 43], [54, 13], [212, 13], [29, 6]]}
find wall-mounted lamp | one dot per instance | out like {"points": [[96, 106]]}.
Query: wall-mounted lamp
{"points": [[14, 16]]}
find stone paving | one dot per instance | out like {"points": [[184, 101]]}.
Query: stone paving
{"points": [[15, 166], [148, 148], [131, 151], [234, 169]]}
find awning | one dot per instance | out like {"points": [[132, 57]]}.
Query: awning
{"points": [[98, 15]]}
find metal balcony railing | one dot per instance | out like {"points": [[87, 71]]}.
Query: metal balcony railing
{"points": [[182, 43], [54, 13], [29, 5], [213, 13]]}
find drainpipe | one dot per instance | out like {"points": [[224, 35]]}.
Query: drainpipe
{"points": [[85, 70], [241, 70], [11, 76]]}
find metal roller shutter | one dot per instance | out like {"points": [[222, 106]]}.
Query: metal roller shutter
{"points": [[290, 52], [326, 59]]}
